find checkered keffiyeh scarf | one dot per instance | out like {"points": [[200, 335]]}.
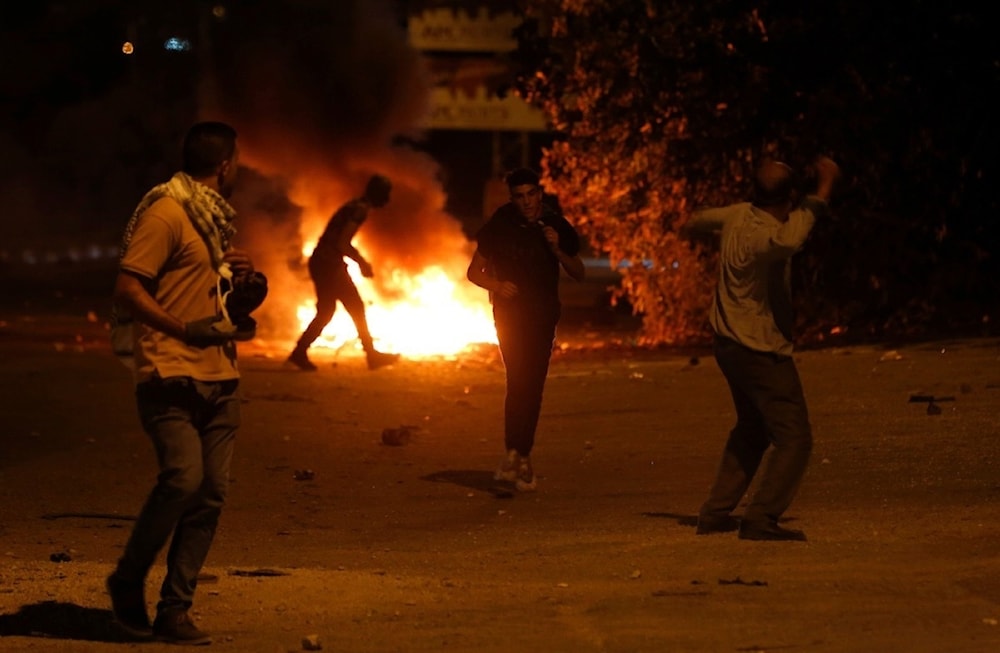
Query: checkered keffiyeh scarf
{"points": [[211, 215]]}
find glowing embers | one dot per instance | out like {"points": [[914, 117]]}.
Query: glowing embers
{"points": [[421, 315]]}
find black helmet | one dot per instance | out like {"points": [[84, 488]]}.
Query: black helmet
{"points": [[377, 190], [247, 292]]}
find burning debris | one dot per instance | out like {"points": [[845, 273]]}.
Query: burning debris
{"points": [[346, 91]]}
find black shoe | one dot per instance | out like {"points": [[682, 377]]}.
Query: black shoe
{"points": [[765, 531], [712, 525], [299, 359], [175, 627], [377, 359], [128, 605]]}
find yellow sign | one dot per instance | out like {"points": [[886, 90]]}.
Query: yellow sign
{"points": [[454, 109], [458, 31]]}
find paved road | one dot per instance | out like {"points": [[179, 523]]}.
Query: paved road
{"points": [[409, 548]]}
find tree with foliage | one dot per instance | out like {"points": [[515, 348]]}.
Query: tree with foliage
{"points": [[660, 106]]}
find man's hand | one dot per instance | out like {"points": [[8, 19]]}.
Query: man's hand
{"points": [[210, 331], [551, 237], [366, 269], [827, 173], [239, 261], [246, 329]]}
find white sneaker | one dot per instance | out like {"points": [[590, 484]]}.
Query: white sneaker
{"points": [[526, 481], [507, 471]]}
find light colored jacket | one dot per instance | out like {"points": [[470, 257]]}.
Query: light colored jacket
{"points": [[753, 304]]}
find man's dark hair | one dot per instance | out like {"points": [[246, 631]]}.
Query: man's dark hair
{"points": [[774, 183], [522, 177], [206, 146]]}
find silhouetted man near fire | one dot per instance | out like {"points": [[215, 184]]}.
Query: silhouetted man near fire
{"points": [[333, 283], [752, 319], [518, 259]]}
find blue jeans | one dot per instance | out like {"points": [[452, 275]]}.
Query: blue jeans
{"points": [[192, 425]]}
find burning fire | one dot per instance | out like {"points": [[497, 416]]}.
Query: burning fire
{"points": [[431, 313], [424, 309]]}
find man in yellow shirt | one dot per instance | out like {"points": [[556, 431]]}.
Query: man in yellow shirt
{"points": [[177, 268]]}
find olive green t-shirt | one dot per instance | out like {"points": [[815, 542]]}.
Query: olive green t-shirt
{"points": [[166, 248]]}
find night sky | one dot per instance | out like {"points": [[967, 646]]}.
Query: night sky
{"points": [[332, 91], [311, 86]]}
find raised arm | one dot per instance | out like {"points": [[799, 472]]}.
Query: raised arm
{"points": [[791, 235], [572, 263], [708, 221], [827, 174]]}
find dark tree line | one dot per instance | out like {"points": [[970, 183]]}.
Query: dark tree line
{"points": [[663, 106]]}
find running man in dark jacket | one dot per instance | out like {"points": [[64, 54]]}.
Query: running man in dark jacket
{"points": [[520, 252]]}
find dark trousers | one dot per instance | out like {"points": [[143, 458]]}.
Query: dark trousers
{"points": [[770, 412], [192, 426], [333, 284], [525, 340]]}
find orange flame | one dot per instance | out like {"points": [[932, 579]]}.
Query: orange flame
{"points": [[427, 309], [426, 314]]}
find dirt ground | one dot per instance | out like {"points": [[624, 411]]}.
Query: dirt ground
{"points": [[329, 532]]}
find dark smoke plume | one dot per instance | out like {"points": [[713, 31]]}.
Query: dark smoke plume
{"points": [[320, 92]]}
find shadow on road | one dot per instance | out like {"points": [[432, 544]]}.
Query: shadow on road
{"points": [[682, 520], [476, 479], [692, 520], [55, 620]]}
